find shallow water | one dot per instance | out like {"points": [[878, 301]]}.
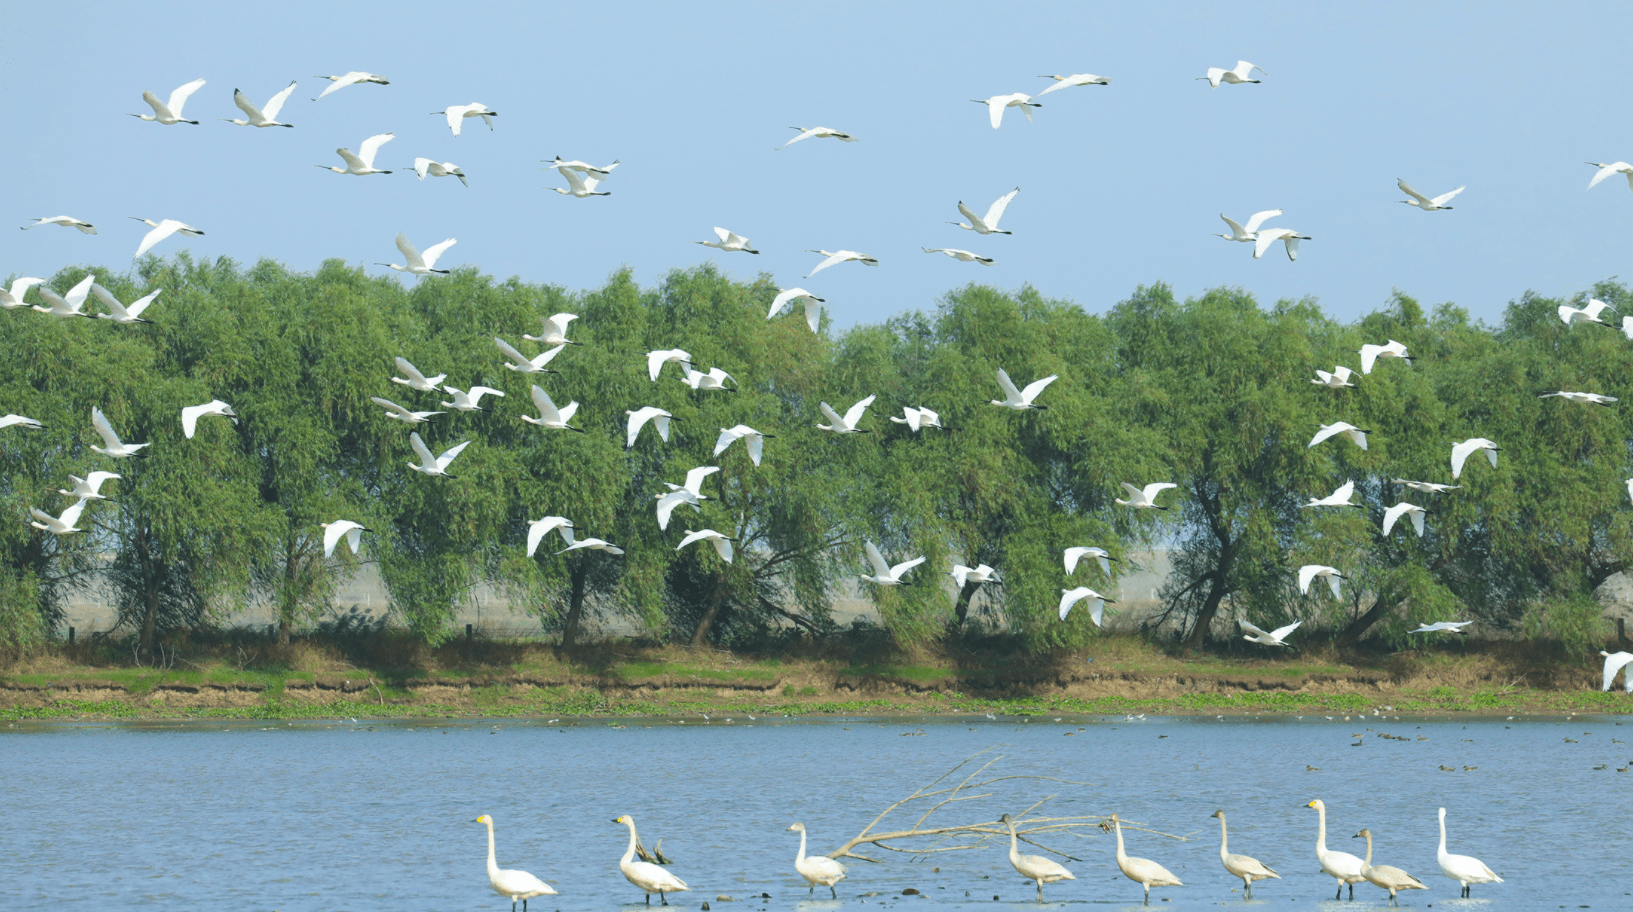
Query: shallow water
{"points": [[377, 816]]}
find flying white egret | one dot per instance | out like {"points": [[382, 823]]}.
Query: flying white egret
{"points": [[660, 420], [594, 544], [333, 532], [1341, 427], [537, 529], [1235, 76], [751, 438], [416, 263], [813, 305], [261, 117], [355, 77], [1390, 878], [1403, 509], [58, 525], [885, 574], [12, 298], [1584, 398], [986, 224], [66, 221], [694, 481], [584, 167], [161, 230], [816, 869], [728, 241], [1340, 497], [1248, 233], [1243, 866], [721, 543], [917, 419], [1464, 869], [1073, 555], [554, 331], [1426, 487], [689, 493], [20, 421], [1438, 626], [362, 164], [122, 313], [112, 446], [512, 885], [715, 379], [466, 400], [523, 364], [963, 575], [1308, 573], [414, 379], [1424, 202], [192, 413], [1588, 314], [456, 115], [1371, 354], [1077, 79], [846, 424], [649, 877], [1338, 379], [1341, 866], [169, 112], [1142, 871], [424, 166], [961, 255], [1144, 499], [433, 465], [67, 305], [655, 360], [1033, 867], [1289, 238], [997, 103], [819, 132], [1607, 170], [1462, 451], [580, 186], [1614, 662], [551, 417], [1021, 399], [89, 487], [399, 413], [1277, 637], [1097, 603], [840, 256]]}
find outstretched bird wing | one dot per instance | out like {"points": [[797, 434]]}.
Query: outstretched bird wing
{"points": [[1259, 219], [694, 478], [880, 568], [180, 96], [854, 414], [270, 112], [372, 145], [996, 210], [435, 250], [1037, 386]]}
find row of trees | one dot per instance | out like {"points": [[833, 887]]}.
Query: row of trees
{"points": [[1210, 393]]}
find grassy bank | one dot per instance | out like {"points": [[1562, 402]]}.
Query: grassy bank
{"points": [[398, 679]]}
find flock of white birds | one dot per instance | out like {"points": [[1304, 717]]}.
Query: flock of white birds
{"points": [[822, 871], [583, 180]]}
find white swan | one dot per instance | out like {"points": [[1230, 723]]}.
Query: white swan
{"points": [[918, 418], [1403, 508], [655, 360], [1243, 866], [817, 869], [644, 874], [1073, 555], [33, 424], [414, 378], [720, 541], [401, 413], [523, 364], [537, 529], [1358, 435], [845, 424], [1390, 878], [581, 186], [1337, 379], [1308, 573], [1341, 866], [551, 417], [1338, 498], [1145, 499], [1142, 871], [512, 885], [1606, 170], [1288, 237], [1277, 637], [961, 255], [1033, 867], [434, 466], [1464, 869]]}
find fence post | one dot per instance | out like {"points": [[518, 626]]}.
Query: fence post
{"points": [[469, 633], [70, 636], [1621, 632]]}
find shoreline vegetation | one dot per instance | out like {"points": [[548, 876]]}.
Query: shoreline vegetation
{"points": [[397, 677]]}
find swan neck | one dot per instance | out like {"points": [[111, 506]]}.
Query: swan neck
{"points": [[1014, 843], [1442, 834], [1321, 831], [493, 864], [800, 859], [629, 853], [1121, 855], [1368, 862], [1224, 838]]}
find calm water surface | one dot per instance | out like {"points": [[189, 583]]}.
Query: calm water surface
{"points": [[379, 816]]}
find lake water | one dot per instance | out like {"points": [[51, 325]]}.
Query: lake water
{"points": [[379, 816]]}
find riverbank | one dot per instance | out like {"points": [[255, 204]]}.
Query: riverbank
{"points": [[506, 680]]}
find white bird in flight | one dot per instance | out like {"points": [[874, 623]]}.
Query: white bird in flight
{"points": [[997, 103], [1424, 202], [112, 446], [884, 574], [333, 532], [362, 164], [963, 575], [12, 298], [399, 413], [1371, 354], [962, 255], [1144, 499], [467, 400], [161, 230], [1337, 379], [1248, 233], [594, 544], [1584, 398], [554, 331], [1588, 314], [1078, 79], [66, 221], [580, 186], [537, 529], [819, 132], [722, 543], [1021, 399], [600, 173], [20, 421], [457, 113], [660, 419], [1308, 573], [1338, 498], [839, 256], [169, 112], [1403, 509], [89, 487], [433, 465], [215, 407], [260, 117], [986, 224], [1341, 427], [655, 360], [1236, 76], [416, 263], [1607, 170], [122, 313], [58, 525], [67, 305], [414, 379], [1447, 626], [1275, 637], [751, 438], [1613, 663], [1097, 603], [551, 417], [715, 379], [688, 493], [424, 166], [1073, 555], [728, 241], [813, 305], [1426, 487], [1289, 238], [355, 77], [918, 419], [523, 364], [1462, 451], [846, 424]]}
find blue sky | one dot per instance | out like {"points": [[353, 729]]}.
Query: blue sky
{"points": [[1120, 185]]}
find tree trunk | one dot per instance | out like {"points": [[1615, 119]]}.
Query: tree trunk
{"points": [[1204, 617], [1352, 634], [575, 604], [286, 607], [700, 636], [961, 607], [150, 611]]}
